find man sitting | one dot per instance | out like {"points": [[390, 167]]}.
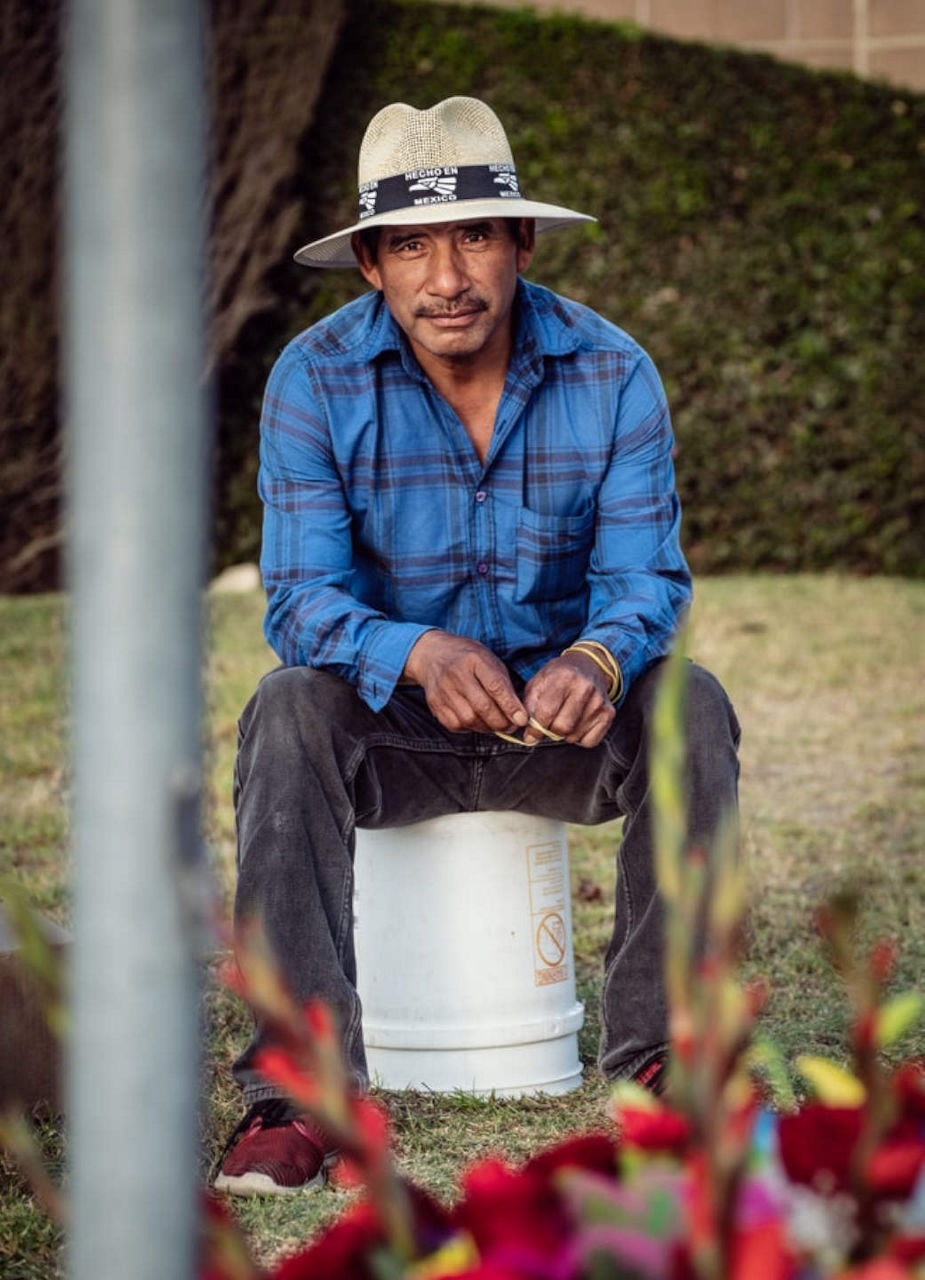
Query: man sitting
{"points": [[472, 567]]}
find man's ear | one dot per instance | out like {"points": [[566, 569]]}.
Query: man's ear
{"points": [[526, 240], [365, 261]]}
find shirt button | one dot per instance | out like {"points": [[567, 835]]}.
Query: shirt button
{"points": [[482, 567], [480, 495]]}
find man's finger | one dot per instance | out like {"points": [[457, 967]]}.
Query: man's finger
{"points": [[482, 699], [467, 687], [501, 693], [446, 710], [595, 732], [482, 694], [568, 706], [562, 704], [484, 713], [546, 711], [575, 713]]}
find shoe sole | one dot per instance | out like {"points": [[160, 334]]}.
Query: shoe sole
{"points": [[261, 1184]]}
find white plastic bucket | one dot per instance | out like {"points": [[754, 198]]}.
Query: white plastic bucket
{"points": [[464, 956]]}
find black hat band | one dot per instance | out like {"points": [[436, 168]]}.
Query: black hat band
{"points": [[428, 186]]}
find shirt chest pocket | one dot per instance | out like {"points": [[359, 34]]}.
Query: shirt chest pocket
{"points": [[552, 554]]}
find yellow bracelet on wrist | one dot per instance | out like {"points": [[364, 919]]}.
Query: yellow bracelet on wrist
{"points": [[607, 670], [603, 659]]}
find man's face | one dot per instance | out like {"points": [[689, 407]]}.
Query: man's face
{"points": [[450, 285]]}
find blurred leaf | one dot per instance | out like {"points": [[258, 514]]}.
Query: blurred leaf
{"points": [[456, 1255], [832, 1084], [307, 1061], [734, 1010], [38, 956], [17, 1138], [729, 899], [765, 1056], [224, 1249], [666, 764], [626, 1093], [895, 1018]]}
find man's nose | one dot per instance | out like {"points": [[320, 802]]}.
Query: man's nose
{"points": [[447, 276]]}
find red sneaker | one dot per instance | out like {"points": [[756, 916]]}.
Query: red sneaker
{"points": [[275, 1150], [654, 1075]]}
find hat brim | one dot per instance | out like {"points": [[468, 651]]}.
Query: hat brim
{"points": [[335, 250]]}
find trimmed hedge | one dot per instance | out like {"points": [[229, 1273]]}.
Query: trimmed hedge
{"points": [[762, 233]]}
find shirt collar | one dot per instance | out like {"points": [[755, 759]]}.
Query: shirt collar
{"points": [[540, 329]]}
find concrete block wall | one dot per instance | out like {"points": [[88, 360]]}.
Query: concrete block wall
{"points": [[879, 38]]}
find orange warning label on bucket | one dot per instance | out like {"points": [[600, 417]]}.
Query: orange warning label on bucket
{"points": [[550, 939], [548, 908]]}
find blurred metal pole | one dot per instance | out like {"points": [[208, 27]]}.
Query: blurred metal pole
{"points": [[137, 450]]}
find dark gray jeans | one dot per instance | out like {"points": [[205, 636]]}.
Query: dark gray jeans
{"points": [[314, 762]]}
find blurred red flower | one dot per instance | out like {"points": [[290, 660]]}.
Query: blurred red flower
{"points": [[762, 1253], [894, 1167], [342, 1252], [516, 1214], [595, 1152], [661, 1130], [909, 1085], [817, 1143]]}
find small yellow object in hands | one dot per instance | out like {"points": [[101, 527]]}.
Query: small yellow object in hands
{"points": [[534, 724]]}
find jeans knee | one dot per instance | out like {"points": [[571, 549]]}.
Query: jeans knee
{"points": [[292, 705], [711, 720]]}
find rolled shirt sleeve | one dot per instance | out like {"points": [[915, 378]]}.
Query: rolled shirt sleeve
{"points": [[639, 582], [307, 560]]}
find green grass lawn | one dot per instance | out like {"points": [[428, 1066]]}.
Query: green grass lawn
{"points": [[828, 678]]}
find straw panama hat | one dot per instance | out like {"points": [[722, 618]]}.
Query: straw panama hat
{"points": [[450, 162]]}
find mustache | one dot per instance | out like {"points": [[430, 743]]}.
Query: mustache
{"points": [[469, 302]]}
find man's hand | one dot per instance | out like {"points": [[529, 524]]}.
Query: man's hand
{"points": [[466, 686], [569, 696]]}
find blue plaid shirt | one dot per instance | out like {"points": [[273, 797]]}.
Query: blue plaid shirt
{"points": [[380, 522]]}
